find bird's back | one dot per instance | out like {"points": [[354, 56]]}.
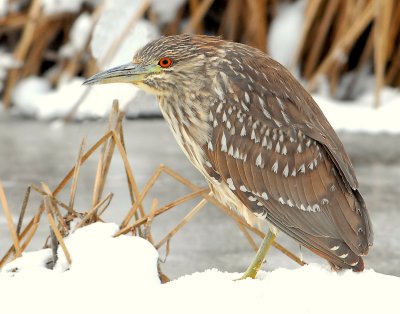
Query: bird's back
{"points": [[277, 153], [267, 149]]}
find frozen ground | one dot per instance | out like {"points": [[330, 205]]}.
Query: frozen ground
{"points": [[111, 275]]}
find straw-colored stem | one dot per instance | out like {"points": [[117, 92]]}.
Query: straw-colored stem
{"points": [[49, 208], [55, 210], [149, 221], [343, 44], [182, 223], [140, 197], [23, 210], [94, 209], [229, 212], [75, 177], [22, 49], [383, 11], [198, 16], [10, 223], [128, 169], [162, 210]]}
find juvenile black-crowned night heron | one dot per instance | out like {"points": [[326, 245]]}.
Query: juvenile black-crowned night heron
{"points": [[260, 140]]}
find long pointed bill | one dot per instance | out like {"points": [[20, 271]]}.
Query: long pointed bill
{"points": [[126, 73]]}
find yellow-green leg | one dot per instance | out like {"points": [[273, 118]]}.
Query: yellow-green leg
{"points": [[255, 265]]}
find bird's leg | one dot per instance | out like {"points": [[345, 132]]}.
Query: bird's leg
{"points": [[255, 265]]}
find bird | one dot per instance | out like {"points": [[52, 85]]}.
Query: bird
{"points": [[260, 140]]}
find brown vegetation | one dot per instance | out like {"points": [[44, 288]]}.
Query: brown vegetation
{"points": [[339, 36], [137, 220]]}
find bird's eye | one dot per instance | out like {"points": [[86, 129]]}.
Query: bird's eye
{"points": [[165, 62]]}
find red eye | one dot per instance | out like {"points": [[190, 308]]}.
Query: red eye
{"points": [[165, 62]]}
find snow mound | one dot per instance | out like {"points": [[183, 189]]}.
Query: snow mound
{"points": [[361, 115], [112, 275], [285, 33], [33, 97], [112, 22]]}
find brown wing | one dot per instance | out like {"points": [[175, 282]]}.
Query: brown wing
{"points": [[283, 160]]}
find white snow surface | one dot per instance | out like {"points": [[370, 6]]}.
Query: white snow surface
{"points": [[166, 10], [285, 32], [112, 23], [7, 62], [51, 7], [3, 7], [361, 115], [116, 275], [78, 36], [33, 97]]}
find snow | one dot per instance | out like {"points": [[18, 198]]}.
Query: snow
{"points": [[3, 7], [51, 7], [78, 36], [33, 97], [361, 115], [111, 24], [7, 62], [111, 275], [285, 32], [166, 10]]}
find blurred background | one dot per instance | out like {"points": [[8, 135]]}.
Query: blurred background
{"points": [[345, 52]]}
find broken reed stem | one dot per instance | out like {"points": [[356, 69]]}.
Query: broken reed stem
{"points": [[107, 152], [231, 213], [183, 222], [198, 16], [54, 207], [150, 218], [66, 179], [383, 11], [115, 136], [29, 230], [100, 211], [61, 185], [133, 195], [23, 210], [140, 197], [128, 170], [50, 210], [94, 209], [10, 223], [343, 44], [58, 202], [75, 176], [98, 178], [22, 48], [163, 209]]}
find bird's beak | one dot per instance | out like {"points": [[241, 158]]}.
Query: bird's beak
{"points": [[127, 73]]}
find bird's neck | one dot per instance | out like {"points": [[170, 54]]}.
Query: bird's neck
{"points": [[187, 117]]}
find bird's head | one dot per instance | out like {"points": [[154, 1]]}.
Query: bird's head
{"points": [[168, 65]]}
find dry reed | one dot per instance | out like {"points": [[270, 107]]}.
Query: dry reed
{"points": [[338, 37], [60, 213]]}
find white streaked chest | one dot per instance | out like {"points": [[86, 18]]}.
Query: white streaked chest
{"points": [[190, 129]]}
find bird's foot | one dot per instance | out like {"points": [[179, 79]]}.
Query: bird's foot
{"points": [[255, 265], [249, 273]]}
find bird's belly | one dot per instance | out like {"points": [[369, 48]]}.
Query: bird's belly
{"points": [[192, 145], [225, 196]]}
